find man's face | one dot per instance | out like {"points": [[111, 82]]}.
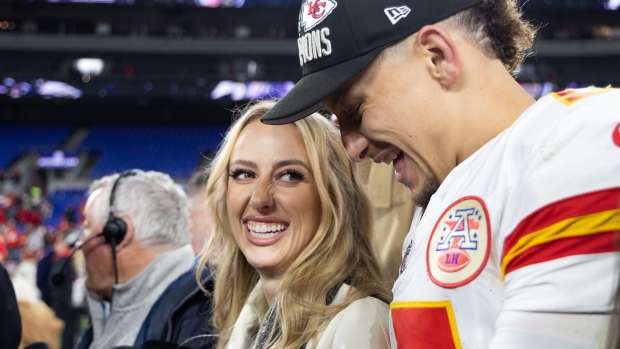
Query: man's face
{"points": [[199, 224], [99, 271], [391, 113]]}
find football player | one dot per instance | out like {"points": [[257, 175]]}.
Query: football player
{"points": [[517, 245]]}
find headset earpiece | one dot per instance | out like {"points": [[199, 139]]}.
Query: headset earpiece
{"points": [[115, 228]]}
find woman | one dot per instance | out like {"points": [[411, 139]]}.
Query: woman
{"points": [[291, 240]]}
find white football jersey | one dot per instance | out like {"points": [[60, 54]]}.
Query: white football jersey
{"points": [[518, 248]]}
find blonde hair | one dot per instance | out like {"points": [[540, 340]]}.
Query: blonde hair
{"points": [[340, 249]]}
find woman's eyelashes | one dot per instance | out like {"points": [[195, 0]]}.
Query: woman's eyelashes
{"points": [[291, 175], [287, 175], [241, 174]]}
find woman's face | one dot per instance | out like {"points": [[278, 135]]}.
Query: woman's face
{"points": [[272, 201]]}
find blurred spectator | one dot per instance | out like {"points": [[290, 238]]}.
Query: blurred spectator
{"points": [[36, 241], [4, 253], [60, 293], [12, 240], [38, 322], [152, 250], [199, 220]]}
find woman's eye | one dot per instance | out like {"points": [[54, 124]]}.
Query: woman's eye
{"points": [[292, 176], [241, 174]]}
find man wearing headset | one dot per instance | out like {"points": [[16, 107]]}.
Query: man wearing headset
{"points": [[136, 244]]}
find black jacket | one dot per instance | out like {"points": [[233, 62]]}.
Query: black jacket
{"points": [[10, 321], [182, 315]]}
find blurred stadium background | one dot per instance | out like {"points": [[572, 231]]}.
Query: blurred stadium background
{"points": [[89, 87]]}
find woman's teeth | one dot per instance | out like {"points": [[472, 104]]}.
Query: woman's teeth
{"points": [[265, 230]]}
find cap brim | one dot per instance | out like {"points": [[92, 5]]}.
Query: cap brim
{"points": [[308, 94]]}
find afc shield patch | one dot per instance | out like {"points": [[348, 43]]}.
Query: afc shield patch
{"points": [[459, 245]]}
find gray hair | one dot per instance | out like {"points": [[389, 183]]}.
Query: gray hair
{"points": [[156, 204]]}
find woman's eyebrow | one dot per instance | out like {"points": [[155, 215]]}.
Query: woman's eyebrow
{"points": [[283, 163], [247, 163]]}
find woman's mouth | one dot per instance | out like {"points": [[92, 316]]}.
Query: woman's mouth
{"points": [[264, 233]]}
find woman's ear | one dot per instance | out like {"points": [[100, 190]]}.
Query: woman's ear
{"points": [[440, 54]]}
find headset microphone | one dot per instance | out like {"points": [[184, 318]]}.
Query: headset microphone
{"points": [[58, 278]]}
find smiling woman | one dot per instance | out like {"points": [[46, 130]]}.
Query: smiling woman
{"points": [[291, 240]]}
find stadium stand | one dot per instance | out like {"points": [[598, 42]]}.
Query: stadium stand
{"points": [[175, 150], [19, 139]]}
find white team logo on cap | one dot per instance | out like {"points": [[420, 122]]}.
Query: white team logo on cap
{"points": [[314, 12], [459, 245], [396, 13]]}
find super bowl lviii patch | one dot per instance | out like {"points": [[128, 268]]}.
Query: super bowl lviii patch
{"points": [[459, 245]]}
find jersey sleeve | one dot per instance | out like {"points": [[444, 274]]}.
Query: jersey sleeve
{"points": [[560, 229]]}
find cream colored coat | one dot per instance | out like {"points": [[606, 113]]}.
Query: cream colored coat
{"points": [[361, 325], [392, 210]]}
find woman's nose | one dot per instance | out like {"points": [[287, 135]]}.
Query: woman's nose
{"points": [[262, 197]]}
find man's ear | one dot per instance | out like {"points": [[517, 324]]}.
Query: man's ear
{"points": [[440, 53], [130, 234]]}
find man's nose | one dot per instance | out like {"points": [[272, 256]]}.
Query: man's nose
{"points": [[355, 144], [262, 197]]}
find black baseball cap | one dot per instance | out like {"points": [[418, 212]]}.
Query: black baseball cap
{"points": [[339, 38]]}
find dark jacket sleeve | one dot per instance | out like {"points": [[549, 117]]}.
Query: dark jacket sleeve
{"points": [[10, 321], [181, 315]]}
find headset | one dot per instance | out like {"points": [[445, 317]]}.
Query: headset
{"points": [[115, 228], [113, 232]]}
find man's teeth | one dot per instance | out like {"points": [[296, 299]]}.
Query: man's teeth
{"points": [[265, 230]]}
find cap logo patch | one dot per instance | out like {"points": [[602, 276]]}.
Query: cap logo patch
{"points": [[460, 242], [396, 13], [314, 12]]}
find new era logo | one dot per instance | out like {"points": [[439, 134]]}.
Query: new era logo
{"points": [[396, 13]]}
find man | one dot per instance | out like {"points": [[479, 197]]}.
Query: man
{"points": [[60, 295], [199, 221], [516, 245], [181, 315], [136, 245]]}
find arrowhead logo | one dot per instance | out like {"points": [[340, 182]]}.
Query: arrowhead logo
{"points": [[396, 13], [314, 12]]}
